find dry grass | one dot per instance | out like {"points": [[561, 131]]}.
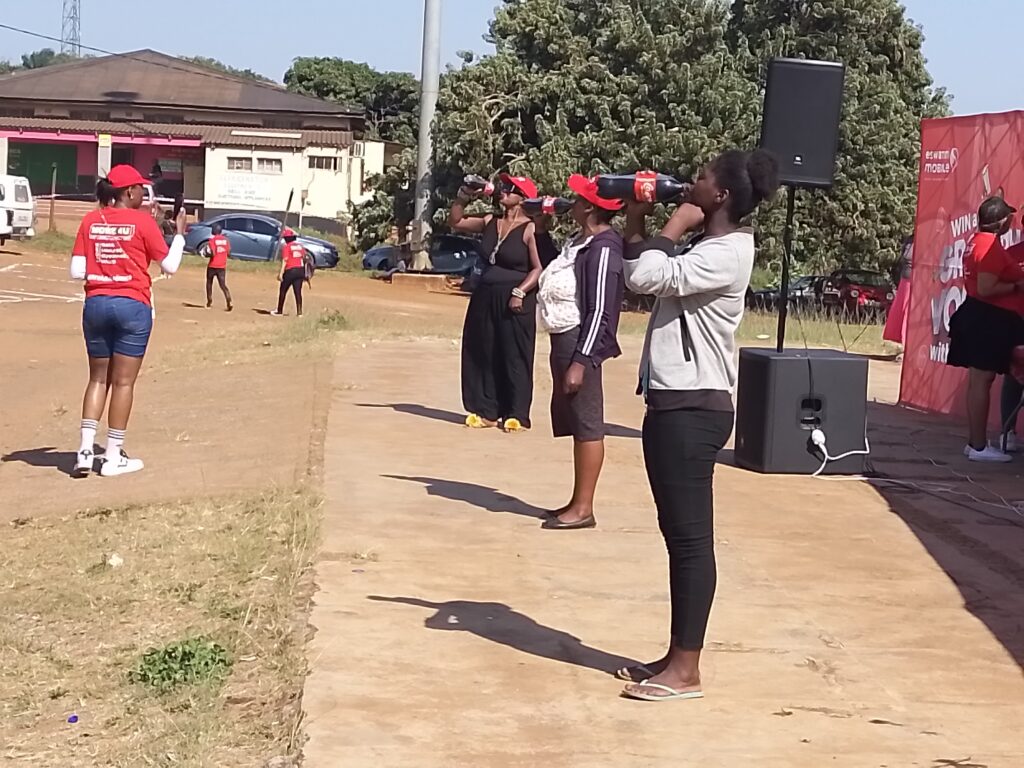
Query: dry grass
{"points": [[814, 330], [236, 571]]}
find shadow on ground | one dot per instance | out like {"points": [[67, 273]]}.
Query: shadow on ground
{"points": [[423, 411], [500, 624], [489, 499], [46, 457], [963, 513]]}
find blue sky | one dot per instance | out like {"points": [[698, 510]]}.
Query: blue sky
{"points": [[971, 47]]}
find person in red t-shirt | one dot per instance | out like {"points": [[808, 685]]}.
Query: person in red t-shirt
{"points": [[985, 329], [293, 271], [115, 245], [1012, 391], [219, 249]]}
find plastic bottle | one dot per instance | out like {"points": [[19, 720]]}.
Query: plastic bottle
{"points": [[644, 187], [550, 206], [479, 184]]}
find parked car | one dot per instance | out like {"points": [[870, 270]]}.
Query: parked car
{"points": [[254, 237], [380, 258], [17, 209], [857, 291], [449, 255], [807, 289]]}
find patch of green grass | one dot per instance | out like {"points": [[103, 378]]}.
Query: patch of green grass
{"points": [[195, 661], [55, 242], [156, 674]]}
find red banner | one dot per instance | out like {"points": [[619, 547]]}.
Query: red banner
{"points": [[963, 161]]}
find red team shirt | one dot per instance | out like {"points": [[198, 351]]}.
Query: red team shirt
{"points": [[119, 244], [292, 254], [220, 249], [985, 253]]}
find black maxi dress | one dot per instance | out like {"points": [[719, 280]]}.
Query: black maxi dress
{"points": [[497, 344]]}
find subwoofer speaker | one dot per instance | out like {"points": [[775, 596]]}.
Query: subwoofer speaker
{"points": [[803, 104], [784, 396]]}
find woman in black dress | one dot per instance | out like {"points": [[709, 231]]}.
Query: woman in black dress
{"points": [[500, 332]]}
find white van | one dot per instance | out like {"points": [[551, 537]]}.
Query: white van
{"points": [[17, 209]]}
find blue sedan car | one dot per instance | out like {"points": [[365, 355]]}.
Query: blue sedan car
{"points": [[254, 238]]}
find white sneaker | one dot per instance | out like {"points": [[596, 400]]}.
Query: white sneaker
{"points": [[84, 463], [988, 454], [120, 465], [275, 313]]}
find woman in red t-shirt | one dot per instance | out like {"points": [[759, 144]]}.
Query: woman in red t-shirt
{"points": [[987, 326], [116, 243], [293, 271]]}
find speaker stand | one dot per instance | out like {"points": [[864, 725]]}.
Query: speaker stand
{"points": [[787, 255]]}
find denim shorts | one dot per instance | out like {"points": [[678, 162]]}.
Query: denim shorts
{"points": [[116, 325]]}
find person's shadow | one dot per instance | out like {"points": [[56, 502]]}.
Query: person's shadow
{"points": [[190, 305], [480, 496], [422, 411], [47, 457], [617, 430], [500, 624]]}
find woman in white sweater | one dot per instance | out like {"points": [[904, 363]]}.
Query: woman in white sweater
{"points": [[687, 376]]}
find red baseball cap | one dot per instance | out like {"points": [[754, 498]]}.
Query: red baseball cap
{"points": [[122, 176], [287, 232], [587, 189], [523, 185]]}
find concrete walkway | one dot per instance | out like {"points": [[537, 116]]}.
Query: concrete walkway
{"points": [[451, 631]]}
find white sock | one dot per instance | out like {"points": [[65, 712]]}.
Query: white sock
{"points": [[115, 440], [89, 427]]}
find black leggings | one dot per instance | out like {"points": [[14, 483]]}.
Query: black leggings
{"points": [[292, 278], [680, 450], [220, 274], [497, 354]]}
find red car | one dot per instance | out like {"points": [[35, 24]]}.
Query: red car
{"points": [[857, 292]]}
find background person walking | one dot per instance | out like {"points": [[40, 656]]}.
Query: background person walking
{"points": [[293, 272], [113, 250], [220, 251]]}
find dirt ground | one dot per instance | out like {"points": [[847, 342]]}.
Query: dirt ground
{"points": [[856, 624], [225, 402]]}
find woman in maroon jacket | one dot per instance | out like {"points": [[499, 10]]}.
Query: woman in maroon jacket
{"points": [[579, 301]]}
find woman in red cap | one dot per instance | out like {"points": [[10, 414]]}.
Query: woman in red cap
{"points": [[579, 299], [500, 332], [113, 250], [293, 271]]}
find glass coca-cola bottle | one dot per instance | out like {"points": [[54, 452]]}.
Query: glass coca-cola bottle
{"points": [[479, 184], [551, 206], [643, 187]]}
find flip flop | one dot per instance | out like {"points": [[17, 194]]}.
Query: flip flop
{"points": [[478, 422], [643, 672], [554, 524], [671, 693]]}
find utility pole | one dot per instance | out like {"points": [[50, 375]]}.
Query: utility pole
{"points": [[430, 78], [71, 28]]}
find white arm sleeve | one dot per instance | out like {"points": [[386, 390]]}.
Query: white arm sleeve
{"points": [[172, 260], [78, 267], [710, 266]]}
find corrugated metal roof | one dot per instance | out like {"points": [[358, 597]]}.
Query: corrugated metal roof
{"points": [[211, 135], [150, 78]]}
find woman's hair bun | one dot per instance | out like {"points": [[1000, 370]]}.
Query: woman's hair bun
{"points": [[106, 194], [763, 170]]}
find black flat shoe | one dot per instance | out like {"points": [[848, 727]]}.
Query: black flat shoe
{"points": [[554, 524]]}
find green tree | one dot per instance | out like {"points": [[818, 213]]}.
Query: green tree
{"points": [[7, 67], [391, 204], [45, 57], [595, 86], [863, 219], [220, 66], [389, 99]]}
